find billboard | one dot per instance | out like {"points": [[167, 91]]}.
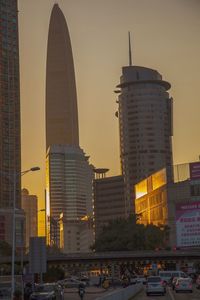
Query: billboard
{"points": [[188, 224], [195, 170], [37, 255]]}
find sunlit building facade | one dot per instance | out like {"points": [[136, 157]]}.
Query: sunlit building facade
{"points": [[69, 179], [76, 236], [156, 197], [30, 207], [10, 150], [151, 206], [145, 125]]}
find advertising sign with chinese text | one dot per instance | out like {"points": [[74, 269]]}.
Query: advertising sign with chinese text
{"points": [[188, 224], [195, 170]]}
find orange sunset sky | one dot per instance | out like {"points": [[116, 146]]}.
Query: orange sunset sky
{"points": [[165, 37]]}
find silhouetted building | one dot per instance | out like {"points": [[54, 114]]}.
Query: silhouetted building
{"points": [[109, 201], [30, 207], [10, 155], [69, 174], [61, 99], [145, 124], [6, 227]]}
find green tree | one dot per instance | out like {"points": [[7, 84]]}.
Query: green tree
{"points": [[127, 235], [53, 274], [5, 249]]}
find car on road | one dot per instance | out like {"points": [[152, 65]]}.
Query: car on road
{"points": [[155, 285], [113, 281], [141, 279], [183, 285], [5, 289], [198, 282], [84, 279], [71, 283], [47, 291], [133, 280], [5, 293], [167, 276]]}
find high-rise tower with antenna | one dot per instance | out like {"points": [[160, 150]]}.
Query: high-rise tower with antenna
{"points": [[130, 52], [145, 125]]}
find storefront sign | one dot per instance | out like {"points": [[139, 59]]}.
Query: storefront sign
{"points": [[188, 224]]}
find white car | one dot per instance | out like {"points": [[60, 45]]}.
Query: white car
{"points": [[72, 283], [141, 279], [168, 275], [155, 285], [183, 284]]}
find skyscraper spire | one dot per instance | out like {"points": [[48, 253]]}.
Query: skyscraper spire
{"points": [[130, 52], [61, 98]]}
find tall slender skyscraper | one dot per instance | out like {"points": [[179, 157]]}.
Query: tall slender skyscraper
{"points": [[145, 123], [68, 172], [10, 148], [61, 99]]}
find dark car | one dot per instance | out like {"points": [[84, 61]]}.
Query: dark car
{"points": [[49, 291], [5, 293], [85, 279]]}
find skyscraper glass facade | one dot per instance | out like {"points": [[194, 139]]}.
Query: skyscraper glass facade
{"points": [[10, 158], [145, 123], [69, 183]]}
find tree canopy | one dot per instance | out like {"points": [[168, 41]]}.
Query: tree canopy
{"points": [[5, 248], [127, 235]]}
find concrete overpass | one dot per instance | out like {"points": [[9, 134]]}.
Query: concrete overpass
{"points": [[97, 260]]}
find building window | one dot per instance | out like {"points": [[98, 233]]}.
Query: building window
{"points": [[195, 190]]}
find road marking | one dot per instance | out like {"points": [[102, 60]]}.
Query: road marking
{"points": [[171, 294]]}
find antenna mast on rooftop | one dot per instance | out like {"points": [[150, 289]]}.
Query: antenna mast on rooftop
{"points": [[130, 50]]}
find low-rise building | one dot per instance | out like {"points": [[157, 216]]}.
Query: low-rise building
{"points": [[109, 201], [6, 227], [76, 236], [30, 207], [157, 198]]}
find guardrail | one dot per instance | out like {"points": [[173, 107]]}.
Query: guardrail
{"points": [[123, 294]]}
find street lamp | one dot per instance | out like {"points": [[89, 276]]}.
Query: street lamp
{"points": [[15, 175]]}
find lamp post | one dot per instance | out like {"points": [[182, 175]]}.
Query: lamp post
{"points": [[15, 175]]}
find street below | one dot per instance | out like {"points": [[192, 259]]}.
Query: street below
{"points": [[170, 295], [91, 293]]}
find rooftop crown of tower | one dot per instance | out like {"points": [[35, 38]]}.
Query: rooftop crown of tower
{"points": [[61, 97]]}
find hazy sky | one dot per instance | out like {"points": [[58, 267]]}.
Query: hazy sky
{"points": [[165, 37]]}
